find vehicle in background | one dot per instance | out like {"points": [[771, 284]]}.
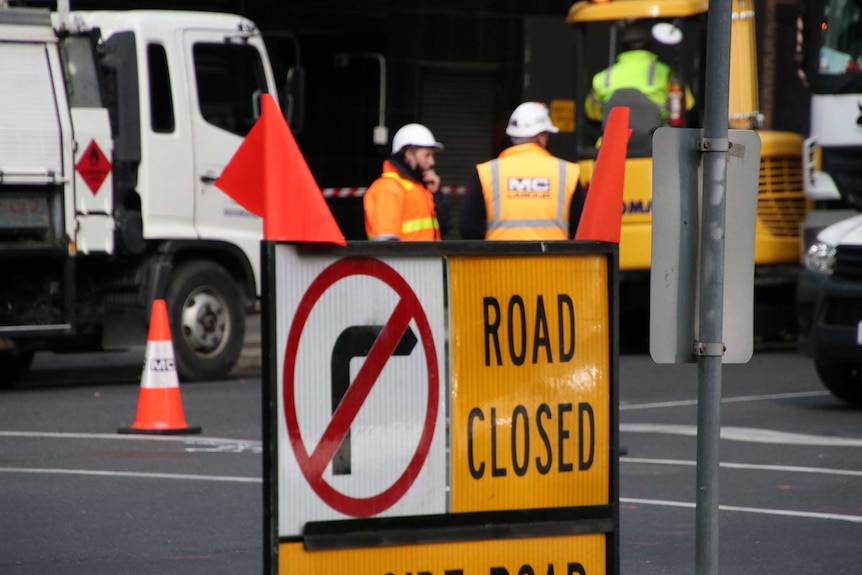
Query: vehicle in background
{"points": [[829, 54], [113, 129], [781, 204], [829, 308]]}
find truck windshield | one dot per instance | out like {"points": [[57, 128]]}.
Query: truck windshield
{"points": [[841, 51]]}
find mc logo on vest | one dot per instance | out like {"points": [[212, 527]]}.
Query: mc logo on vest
{"points": [[529, 187]]}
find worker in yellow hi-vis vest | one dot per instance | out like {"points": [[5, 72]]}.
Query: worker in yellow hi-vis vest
{"points": [[405, 202], [526, 193], [640, 69]]}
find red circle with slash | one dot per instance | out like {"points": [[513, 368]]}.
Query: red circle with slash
{"points": [[313, 464]]}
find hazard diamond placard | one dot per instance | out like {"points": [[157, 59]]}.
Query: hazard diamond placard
{"points": [[94, 167], [360, 391]]}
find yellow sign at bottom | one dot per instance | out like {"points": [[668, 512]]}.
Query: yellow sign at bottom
{"points": [[563, 555]]}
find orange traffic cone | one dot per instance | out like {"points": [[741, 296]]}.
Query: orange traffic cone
{"points": [[160, 408], [601, 219]]}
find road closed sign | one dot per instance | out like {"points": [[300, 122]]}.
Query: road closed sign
{"points": [[360, 389], [440, 409], [530, 382]]}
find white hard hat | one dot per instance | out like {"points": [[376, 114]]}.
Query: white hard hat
{"points": [[414, 135], [530, 119]]}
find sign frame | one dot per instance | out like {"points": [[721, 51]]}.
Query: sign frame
{"points": [[320, 536]]}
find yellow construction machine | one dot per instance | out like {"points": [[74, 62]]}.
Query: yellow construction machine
{"points": [[679, 30]]}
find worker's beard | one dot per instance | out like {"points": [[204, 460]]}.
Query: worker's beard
{"points": [[404, 168]]}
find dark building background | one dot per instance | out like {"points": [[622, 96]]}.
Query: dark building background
{"points": [[455, 65]]}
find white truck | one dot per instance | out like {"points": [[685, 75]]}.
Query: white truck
{"points": [[113, 129]]}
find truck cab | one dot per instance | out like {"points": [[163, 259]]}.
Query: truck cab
{"points": [[830, 60], [114, 131]]}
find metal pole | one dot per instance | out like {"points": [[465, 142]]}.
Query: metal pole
{"points": [[710, 347]]}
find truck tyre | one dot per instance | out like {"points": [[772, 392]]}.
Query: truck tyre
{"points": [[842, 378], [14, 366], [207, 320]]}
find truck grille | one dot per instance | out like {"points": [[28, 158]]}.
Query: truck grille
{"points": [[842, 311], [848, 262], [780, 200]]}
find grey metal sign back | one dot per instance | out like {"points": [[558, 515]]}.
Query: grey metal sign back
{"points": [[678, 203]]}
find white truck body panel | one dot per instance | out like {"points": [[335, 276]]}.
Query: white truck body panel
{"points": [[94, 200], [30, 125], [216, 214], [835, 119]]}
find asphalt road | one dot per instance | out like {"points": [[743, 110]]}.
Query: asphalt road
{"points": [[78, 498]]}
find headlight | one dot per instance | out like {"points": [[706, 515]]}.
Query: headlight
{"points": [[820, 258]]}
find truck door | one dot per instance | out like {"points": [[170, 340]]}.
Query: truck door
{"points": [[226, 81]]}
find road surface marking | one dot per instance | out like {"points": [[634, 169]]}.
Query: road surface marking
{"points": [[781, 512], [740, 399], [187, 477], [748, 466], [748, 434], [208, 442]]}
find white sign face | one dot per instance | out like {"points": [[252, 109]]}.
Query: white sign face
{"points": [[361, 430]]}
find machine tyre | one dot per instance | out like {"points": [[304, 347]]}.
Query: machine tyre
{"points": [[207, 320], [14, 365], [842, 378]]}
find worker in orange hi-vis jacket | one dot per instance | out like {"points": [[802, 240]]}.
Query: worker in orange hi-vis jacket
{"points": [[405, 202]]}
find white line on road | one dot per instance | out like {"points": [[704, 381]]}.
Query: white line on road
{"points": [[748, 466], [133, 436], [748, 434], [781, 512], [221, 478], [740, 399]]}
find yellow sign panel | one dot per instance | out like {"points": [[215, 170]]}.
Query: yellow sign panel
{"points": [[530, 403], [565, 555], [563, 114]]}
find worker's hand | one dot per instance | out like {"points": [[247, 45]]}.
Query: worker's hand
{"points": [[431, 180]]}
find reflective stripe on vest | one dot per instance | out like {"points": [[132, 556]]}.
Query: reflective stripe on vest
{"points": [[405, 183], [498, 223], [650, 75], [419, 225]]}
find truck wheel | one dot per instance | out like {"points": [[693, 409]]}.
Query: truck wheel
{"points": [[14, 366], [842, 378], [207, 320]]}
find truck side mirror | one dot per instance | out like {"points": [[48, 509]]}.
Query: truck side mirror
{"points": [[294, 92], [255, 103]]}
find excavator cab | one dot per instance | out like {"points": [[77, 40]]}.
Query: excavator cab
{"points": [[677, 32]]}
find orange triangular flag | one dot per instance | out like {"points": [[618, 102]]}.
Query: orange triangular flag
{"points": [[603, 209], [269, 177]]}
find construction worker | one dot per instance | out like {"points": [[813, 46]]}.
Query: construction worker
{"points": [[403, 203], [638, 68], [525, 193]]}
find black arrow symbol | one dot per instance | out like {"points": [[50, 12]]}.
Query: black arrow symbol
{"points": [[356, 341]]}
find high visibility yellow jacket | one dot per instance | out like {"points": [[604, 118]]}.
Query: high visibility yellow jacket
{"points": [[638, 69], [528, 193], [397, 208]]}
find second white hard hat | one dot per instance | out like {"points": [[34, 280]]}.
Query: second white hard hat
{"points": [[414, 135], [530, 119]]}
